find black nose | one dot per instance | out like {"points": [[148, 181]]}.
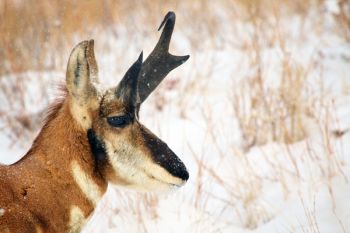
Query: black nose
{"points": [[162, 155], [167, 159], [184, 175], [174, 165]]}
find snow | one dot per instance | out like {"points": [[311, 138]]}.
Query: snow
{"points": [[10, 153], [301, 186]]}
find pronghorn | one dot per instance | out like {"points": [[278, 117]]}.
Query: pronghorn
{"points": [[91, 138]]}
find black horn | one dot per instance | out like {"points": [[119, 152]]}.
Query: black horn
{"points": [[160, 62], [126, 90]]}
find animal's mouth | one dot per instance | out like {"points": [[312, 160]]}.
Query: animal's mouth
{"points": [[176, 183], [171, 184]]}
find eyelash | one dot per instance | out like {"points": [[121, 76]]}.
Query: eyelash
{"points": [[119, 121]]}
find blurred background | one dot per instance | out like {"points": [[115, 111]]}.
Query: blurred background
{"points": [[260, 114]]}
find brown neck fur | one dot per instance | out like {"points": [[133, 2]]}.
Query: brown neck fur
{"points": [[41, 184]]}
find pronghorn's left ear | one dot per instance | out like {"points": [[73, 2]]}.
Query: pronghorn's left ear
{"points": [[82, 72], [80, 79]]}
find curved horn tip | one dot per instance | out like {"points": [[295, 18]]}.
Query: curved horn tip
{"points": [[169, 16]]}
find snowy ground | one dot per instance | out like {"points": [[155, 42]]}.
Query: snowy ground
{"points": [[244, 176]]}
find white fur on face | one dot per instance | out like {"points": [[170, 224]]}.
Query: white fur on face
{"points": [[81, 114], [139, 170], [90, 189]]}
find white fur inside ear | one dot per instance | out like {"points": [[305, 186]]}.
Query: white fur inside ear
{"points": [[78, 77], [81, 78]]}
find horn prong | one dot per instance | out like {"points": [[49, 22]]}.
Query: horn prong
{"points": [[127, 88], [160, 62]]}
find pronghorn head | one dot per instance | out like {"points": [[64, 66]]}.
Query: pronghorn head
{"points": [[126, 153]]}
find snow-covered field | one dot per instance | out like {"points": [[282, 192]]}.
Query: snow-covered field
{"points": [[260, 115]]}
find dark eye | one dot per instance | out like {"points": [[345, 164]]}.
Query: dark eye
{"points": [[118, 121]]}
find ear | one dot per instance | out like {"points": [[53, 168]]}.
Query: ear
{"points": [[81, 75], [82, 72], [127, 89]]}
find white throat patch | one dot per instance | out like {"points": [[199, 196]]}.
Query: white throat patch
{"points": [[90, 189], [76, 219]]}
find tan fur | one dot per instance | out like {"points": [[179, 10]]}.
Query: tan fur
{"points": [[39, 190], [38, 229]]}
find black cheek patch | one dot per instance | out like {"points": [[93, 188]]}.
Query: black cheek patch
{"points": [[163, 156], [98, 150]]}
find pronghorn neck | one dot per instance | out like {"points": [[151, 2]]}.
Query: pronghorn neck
{"points": [[72, 147], [64, 141], [62, 152]]}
